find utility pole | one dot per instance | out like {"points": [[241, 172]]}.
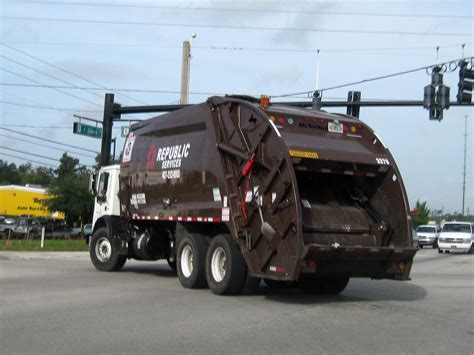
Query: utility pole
{"points": [[185, 73], [186, 70], [464, 170]]}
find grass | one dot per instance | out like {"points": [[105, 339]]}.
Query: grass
{"points": [[49, 245]]}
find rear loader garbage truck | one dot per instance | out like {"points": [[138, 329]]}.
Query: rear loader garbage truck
{"points": [[232, 191]]}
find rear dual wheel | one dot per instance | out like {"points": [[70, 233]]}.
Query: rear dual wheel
{"points": [[226, 271], [190, 261], [218, 265]]}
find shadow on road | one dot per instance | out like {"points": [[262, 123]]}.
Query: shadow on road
{"points": [[356, 291], [161, 270]]}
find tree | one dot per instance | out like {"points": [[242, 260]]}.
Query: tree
{"points": [[420, 215], [9, 174], [70, 191]]}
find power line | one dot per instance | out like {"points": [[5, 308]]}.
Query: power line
{"points": [[266, 11], [231, 27], [29, 153], [47, 146], [107, 89], [372, 79], [48, 107], [50, 87], [39, 156], [46, 74], [28, 126], [29, 160], [372, 51], [48, 140], [64, 70]]}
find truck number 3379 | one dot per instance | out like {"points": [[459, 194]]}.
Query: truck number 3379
{"points": [[382, 161]]}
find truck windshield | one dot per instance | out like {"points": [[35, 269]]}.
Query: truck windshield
{"points": [[426, 230], [457, 228]]}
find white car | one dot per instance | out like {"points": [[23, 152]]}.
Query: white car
{"points": [[457, 237], [427, 235]]}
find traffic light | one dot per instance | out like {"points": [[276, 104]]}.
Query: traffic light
{"points": [[429, 97], [442, 97], [466, 83], [436, 113], [353, 103], [436, 95]]}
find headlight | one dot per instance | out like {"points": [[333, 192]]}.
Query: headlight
{"points": [[442, 240], [466, 241]]}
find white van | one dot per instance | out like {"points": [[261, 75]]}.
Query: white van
{"points": [[456, 237]]}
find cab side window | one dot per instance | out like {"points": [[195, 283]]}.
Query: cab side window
{"points": [[103, 182]]}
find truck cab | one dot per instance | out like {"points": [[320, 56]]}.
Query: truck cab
{"points": [[104, 185]]}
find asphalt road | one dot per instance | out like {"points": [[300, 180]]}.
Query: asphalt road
{"points": [[58, 303]]}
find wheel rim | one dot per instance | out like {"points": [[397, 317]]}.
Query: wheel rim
{"points": [[187, 258], [218, 264], [103, 249]]}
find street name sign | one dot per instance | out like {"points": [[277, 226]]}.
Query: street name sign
{"points": [[86, 130]]}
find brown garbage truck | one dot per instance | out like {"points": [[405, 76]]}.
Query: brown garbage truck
{"points": [[233, 190]]}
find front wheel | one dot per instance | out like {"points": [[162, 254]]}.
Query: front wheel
{"points": [[226, 271], [440, 251], [104, 253]]}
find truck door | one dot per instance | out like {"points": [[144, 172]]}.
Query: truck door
{"points": [[101, 203]]}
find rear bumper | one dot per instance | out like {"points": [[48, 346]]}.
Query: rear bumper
{"points": [[372, 262], [427, 242]]}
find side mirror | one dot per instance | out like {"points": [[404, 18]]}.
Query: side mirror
{"points": [[92, 184]]}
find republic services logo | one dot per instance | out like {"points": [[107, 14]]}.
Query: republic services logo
{"points": [[151, 157]]}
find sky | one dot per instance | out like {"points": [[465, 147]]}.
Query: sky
{"points": [[59, 58]]}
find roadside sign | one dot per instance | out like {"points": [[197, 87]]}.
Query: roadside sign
{"points": [[86, 130], [125, 131]]}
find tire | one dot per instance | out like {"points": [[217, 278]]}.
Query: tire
{"points": [[191, 261], [279, 285], [440, 251], [471, 249], [420, 246], [226, 271], [34, 234], [325, 286], [103, 252], [435, 244]]}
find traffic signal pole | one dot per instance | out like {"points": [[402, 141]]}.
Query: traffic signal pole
{"points": [[107, 125], [113, 112]]}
